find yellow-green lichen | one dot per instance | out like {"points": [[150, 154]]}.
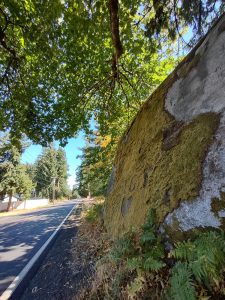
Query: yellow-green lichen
{"points": [[156, 176]]}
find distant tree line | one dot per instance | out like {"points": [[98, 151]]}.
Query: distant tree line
{"points": [[50, 173], [96, 164], [47, 177]]}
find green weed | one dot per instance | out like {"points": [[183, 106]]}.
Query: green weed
{"points": [[94, 213]]}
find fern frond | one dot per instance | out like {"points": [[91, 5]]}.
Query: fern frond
{"points": [[123, 247], [135, 287], [134, 263], [152, 264], [150, 223], [157, 251], [205, 255], [184, 251], [199, 271], [148, 236], [181, 283]]}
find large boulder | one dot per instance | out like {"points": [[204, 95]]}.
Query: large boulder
{"points": [[172, 157]]}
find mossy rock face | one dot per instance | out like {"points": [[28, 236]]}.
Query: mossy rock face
{"points": [[156, 176], [165, 159]]}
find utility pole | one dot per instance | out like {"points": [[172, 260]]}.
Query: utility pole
{"points": [[53, 189], [89, 191]]}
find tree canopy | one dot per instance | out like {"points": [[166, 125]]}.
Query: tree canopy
{"points": [[63, 61]]}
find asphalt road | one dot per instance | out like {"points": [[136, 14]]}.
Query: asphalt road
{"points": [[21, 236]]}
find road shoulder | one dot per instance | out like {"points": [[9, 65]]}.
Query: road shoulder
{"points": [[55, 277]]}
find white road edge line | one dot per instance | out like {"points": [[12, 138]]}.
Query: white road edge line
{"points": [[19, 278]]}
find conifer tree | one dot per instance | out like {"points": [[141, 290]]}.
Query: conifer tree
{"points": [[13, 176], [51, 173]]}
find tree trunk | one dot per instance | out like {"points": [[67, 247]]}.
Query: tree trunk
{"points": [[10, 201]]}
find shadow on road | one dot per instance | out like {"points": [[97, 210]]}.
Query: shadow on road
{"points": [[21, 236]]}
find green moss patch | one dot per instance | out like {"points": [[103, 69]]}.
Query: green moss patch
{"points": [[163, 159]]}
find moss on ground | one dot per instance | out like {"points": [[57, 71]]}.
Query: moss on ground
{"points": [[158, 164]]}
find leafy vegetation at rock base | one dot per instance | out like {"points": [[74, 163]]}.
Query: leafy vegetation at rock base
{"points": [[94, 213], [139, 266]]}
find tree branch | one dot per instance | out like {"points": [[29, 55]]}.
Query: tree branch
{"points": [[148, 9], [113, 6], [177, 24]]}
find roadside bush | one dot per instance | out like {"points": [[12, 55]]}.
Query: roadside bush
{"points": [[94, 213], [144, 250], [129, 260]]}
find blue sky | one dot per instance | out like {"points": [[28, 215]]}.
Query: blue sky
{"points": [[72, 150]]}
